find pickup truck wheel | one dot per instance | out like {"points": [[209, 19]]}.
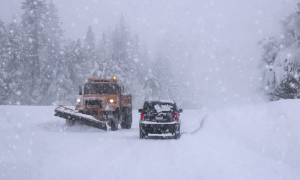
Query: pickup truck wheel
{"points": [[177, 133], [142, 135]]}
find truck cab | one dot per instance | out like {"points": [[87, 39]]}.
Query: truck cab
{"points": [[103, 99]]}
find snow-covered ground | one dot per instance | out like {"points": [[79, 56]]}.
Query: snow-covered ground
{"points": [[260, 141]]}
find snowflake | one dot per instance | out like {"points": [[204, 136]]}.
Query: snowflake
{"points": [[267, 88]]}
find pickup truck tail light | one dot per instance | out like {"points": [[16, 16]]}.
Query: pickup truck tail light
{"points": [[142, 117], [176, 117]]}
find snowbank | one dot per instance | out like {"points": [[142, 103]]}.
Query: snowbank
{"points": [[271, 130]]}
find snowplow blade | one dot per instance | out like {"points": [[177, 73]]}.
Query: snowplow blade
{"points": [[74, 116]]}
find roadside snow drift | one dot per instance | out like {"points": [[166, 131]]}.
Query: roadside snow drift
{"points": [[259, 141]]}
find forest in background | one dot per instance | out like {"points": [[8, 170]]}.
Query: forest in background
{"points": [[38, 66], [280, 62]]}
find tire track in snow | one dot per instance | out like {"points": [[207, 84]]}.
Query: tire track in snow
{"points": [[196, 130]]}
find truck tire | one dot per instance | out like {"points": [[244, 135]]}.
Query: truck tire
{"points": [[127, 121], [115, 121], [113, 126]]}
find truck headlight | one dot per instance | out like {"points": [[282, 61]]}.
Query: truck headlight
{"points": [[111, 100], [78, 100]]}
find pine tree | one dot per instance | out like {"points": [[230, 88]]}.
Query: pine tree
{"points": [[115, 66], [34, 38], [143, 64], [53, 31], [36, 69], [52, 56], [3, 41], [63, 84], [151, 88], [105, 58], [102, 55], [133, 64], [120, 42], [103, 46], [90, 54], [165, 86], [79, 64], [89, 41], [14, 65], [289, 88], [73, 56], [3, 62], [157, 71]]}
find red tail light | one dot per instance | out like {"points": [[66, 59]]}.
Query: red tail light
{"points": [[176, 117], [142, 116]]}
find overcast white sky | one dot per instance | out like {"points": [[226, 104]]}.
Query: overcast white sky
{"points": [[221, 36]]}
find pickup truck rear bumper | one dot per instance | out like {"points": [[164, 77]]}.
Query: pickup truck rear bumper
{"points": [[159, 128]]}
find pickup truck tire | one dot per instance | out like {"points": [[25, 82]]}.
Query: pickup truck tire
{"points": [[142, 135], [177, 134]]}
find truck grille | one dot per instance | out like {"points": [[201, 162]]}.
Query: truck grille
{"points": [[94, 103]]}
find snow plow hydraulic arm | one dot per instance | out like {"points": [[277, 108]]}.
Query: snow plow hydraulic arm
{"points": [[74, 116]]}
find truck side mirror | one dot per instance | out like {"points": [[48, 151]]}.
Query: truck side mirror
{"points": [[80, 90], [180, 111], [140, 110]]}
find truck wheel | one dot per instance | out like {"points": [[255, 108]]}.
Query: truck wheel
{"points": [[126, 124], [113, 126], [129, 118], [115, 121]]}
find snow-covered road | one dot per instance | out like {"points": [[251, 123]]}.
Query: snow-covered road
{"points": [[34, 144]]}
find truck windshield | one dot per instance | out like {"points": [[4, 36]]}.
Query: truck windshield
{"points": [[101, 89]]}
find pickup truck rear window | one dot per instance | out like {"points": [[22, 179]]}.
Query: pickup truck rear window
{"points": [[158, 107]]}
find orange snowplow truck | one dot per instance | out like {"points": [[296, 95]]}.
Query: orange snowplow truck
{"points": [[101, 103]]}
